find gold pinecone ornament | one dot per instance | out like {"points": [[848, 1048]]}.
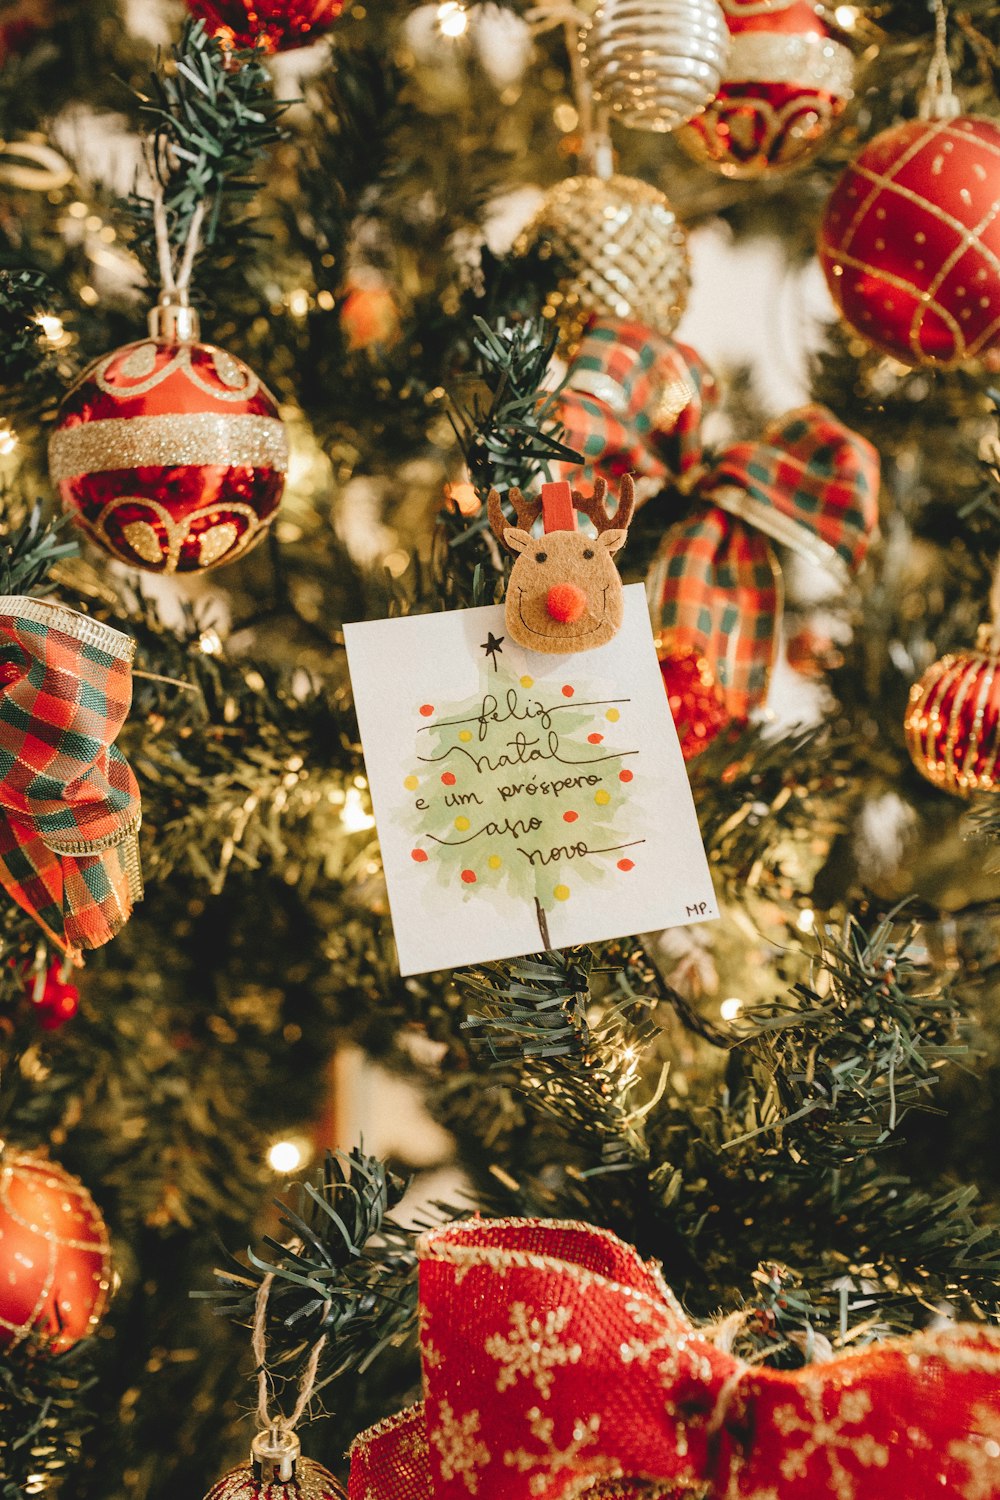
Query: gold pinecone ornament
{"points": [[656, 63], [621, 251]]}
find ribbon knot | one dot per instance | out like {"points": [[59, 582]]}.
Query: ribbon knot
{"points": [[556, 1362], [69, 802]]}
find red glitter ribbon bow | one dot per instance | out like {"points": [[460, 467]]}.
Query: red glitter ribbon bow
{"points": [[715, 587], [555, 1362], [69, 802]]}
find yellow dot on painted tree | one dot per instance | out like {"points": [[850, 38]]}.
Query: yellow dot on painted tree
{"points": [[527, 682], [494, 861], [612, 716], [561, 893], [461, 824], [602, 798], [411, 783], [465, 734]]}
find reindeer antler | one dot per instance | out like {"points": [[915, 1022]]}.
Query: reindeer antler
{"points": [[526, 511], [595, 509]]}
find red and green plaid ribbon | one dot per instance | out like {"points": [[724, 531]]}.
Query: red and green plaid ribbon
{"points": [[715, 587], [633, 403], [69, 802]]}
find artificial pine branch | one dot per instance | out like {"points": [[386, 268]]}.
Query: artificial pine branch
{"points": [[28, 554]]}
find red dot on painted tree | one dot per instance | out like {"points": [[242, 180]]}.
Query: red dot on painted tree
{"points": [[594, 739], [469, 876], [626, 864], [624, 775], [567, 691], [419, 855], [448, 778], [570, 817], [426, 709]]}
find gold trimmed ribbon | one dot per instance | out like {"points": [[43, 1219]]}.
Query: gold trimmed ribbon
{"points": [[556, 1363]]}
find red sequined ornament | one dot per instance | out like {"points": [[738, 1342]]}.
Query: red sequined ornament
{"points": [[696, 699], [787, 79], [271, 25], [953, 719], [170, 452], [910, 240], [53, 999], [54, 1251]]}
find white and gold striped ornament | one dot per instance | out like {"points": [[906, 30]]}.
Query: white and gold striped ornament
{"points": [[656, 63]]}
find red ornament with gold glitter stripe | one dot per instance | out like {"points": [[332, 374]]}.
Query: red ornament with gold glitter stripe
{"points": [[270, 25], [787, 80], [277, 1471], [910, 241], [54, 1251], [953, 719], [171, 453]]}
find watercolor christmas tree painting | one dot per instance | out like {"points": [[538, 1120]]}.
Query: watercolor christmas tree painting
{"points": [[523, 786]]}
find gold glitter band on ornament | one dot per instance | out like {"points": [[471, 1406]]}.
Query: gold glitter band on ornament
{"points": [[168, 441], [816, 62], [81, 627]]}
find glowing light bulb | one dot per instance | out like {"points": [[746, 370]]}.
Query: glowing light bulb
{"points": [[285, 1156], [806, 920], [8, 441], [355, 816], [453, 18], [730, 1009], [52, 327], [298, 302], [846, 16]]}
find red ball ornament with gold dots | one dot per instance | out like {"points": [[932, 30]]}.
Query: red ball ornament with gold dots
{"points": [[787, 80], [953, 719], [169, 452], [696, 700], [55, 1253], [270, 25], [910, 241]]}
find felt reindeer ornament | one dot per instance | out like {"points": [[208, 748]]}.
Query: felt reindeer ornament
{"points": [[565, 593]]}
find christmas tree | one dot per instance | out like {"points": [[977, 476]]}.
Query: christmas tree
{"points": [[285, 292]]}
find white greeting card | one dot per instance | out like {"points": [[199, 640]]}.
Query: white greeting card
{"points": [[523, 800]]}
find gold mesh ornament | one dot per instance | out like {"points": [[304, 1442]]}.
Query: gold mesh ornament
{"points": [[622, 252], [656, 63]]}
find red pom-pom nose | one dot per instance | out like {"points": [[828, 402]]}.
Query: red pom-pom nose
{"points": [[565, 603]]}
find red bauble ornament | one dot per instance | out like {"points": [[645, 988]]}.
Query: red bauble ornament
{"points": [[910, 239], [54, 1251], [276, 1471], [51, 996], [170, 452], [271, 25], [696, 699], [787, 79], [953, 719]]}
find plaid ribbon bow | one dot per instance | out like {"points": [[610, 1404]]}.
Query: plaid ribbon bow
{"points": [[715, 586], [557, 1362], [632, 403], [69, 802]]}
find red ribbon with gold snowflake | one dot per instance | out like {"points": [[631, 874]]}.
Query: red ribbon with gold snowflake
{"points": [[556, 1361]]}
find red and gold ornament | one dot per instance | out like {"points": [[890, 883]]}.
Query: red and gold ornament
{"points": [[271, 25], [55, 1253], [277, 1471], [953, 719], [169, 452], [787, 80], [910, 241]]}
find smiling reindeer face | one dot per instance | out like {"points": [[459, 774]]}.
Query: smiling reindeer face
{"points": [[565, 593]]}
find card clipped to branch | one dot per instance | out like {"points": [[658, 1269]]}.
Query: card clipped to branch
{"points": [[523, 798]]}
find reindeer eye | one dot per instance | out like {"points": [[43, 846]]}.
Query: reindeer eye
{"points": [[541, 556], [588, 551]]}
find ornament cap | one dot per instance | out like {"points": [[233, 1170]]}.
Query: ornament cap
{"points": [[940, 105], [988, 638], [274, 1454], [173, 321]]}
